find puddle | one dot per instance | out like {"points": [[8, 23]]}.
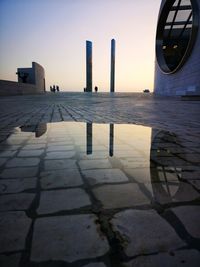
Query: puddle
{"points": [[121, 165]]}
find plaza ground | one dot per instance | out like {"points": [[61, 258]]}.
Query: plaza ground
{"points": [[99, 180]]}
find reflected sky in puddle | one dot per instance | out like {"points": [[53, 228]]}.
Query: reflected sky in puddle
{"points": [[123, 165]]}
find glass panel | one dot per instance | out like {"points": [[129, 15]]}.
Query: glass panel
{"points": [[170, 16]]}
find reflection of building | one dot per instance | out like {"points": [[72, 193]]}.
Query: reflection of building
{"points": [[30, 81], [39, 129], [177, 64], [34, 75], [167, 169]]}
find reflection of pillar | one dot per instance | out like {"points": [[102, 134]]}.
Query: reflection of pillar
{"points": [[112, 70], [88, 66], [111, 142], [89, 138]]}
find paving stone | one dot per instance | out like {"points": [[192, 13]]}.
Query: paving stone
{"points": [[19, 172], [186, 258], [57, 147], [95, 264], [95, 155], [141, 175], [59, 164], [60, 155], [94, 164], [20, 201], [14, 228], [119, 196], [33, 147], [58, 238], [17, 185], [190, 218], [10, 261], [130, 163], [60, 178], [23, 162], [3, 161], [179, 192], [105, 176], [195, 183], [7, 154], [30, 153], [61, 200], [145, 232]]}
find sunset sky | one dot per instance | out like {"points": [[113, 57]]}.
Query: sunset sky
{"points": [[53, 33]]}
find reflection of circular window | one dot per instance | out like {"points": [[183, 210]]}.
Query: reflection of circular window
{"points": [[176, 33]]}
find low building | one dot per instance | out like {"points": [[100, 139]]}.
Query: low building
{"points": [[30, 81]]}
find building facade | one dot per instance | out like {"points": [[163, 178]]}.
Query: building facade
{"points": [[30, 81], [177, 65]]}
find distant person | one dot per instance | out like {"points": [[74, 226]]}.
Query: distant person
{"points": [[96, 89], [57, 88], [51, 89], [84, 89], [54, 88]]}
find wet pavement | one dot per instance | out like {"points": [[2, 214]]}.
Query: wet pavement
{"points": [[92, 194]]}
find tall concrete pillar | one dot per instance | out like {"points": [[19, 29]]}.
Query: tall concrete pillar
{"points": [[112, 69], [88, 66]]}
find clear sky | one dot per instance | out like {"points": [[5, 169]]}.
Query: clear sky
{"points": [[53, 33]]}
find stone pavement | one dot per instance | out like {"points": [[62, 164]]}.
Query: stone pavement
{"points": [[83, 184]]}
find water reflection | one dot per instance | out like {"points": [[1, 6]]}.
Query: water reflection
{"points": [[39, 130], [89, 138], [153, 160]]}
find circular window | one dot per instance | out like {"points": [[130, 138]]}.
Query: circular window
{"points": [[176, 33]]}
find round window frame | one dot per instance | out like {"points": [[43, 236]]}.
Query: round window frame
{"points": [[159, 36]]}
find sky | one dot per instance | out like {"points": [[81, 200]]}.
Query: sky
{"points": [[53, 33]]}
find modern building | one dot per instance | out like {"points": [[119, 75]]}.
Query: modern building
{"points": [[30, 81], [34, 75], [177, 66]]}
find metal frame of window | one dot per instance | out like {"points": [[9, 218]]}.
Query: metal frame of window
{"points": [[162, 23]]}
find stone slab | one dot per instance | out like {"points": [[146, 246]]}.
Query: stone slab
{"points": [[145, 232], [20, 201], [30, 153], [60, 178], [16, 185], [190, 218], [60, 154], [7, 153], [3, 161], [94, 164], [22, 162], [10, 260], [61, 200], [185, 258], [58, 238], [59, 164], [19, 172], [140, 175], [105, 176], [14, 229], [58, 147], [95, 264], [120, 196]]}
